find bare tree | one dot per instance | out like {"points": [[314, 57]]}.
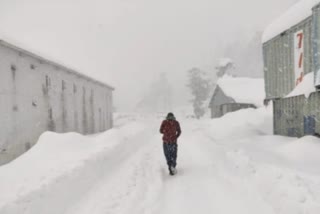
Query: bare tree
{"points": [[199, 85], [225, 66], [158, 97]]}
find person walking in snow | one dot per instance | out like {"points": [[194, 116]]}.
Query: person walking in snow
{"points": [[170, 128]]}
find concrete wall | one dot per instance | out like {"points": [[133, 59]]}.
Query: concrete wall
{"points": [[278, 57], [297, 116], [37, 95]]}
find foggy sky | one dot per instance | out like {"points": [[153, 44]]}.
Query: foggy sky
{"points": [[129, 43]]}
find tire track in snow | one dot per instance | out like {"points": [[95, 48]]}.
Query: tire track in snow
{"points": [[124, 189], [213, 177], [201, 185]]}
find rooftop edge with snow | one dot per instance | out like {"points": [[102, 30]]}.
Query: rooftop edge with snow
{"points": [[296, 14]]}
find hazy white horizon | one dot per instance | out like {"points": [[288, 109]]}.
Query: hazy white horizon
{"points": [[129, 43]]}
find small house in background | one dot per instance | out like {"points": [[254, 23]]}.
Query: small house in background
{"points": [[232, 94]]}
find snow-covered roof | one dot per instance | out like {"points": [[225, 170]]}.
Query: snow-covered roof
{"points": [[297, 13], [306, 87], [243, 90], [8, 41]]}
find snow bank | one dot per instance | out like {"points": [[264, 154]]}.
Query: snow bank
{"points": [[306, 87], [296, 14], [305, 149], [233, 161], [243, 90], [242, 123], [57, 162], [281, 174]]}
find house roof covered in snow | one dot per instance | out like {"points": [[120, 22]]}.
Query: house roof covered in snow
{"points": [[243, 90], [297, 13]]}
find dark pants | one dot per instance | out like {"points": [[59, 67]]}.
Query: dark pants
{"points": [[170, 151]]}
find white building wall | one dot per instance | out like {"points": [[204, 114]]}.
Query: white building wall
{"points": [[37, 95]]}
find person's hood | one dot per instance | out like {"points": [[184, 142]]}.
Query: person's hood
{"points": [[171, 118]]}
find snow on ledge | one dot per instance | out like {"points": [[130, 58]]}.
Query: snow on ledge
{"points": [[243, 89], [297, 13], [306, 87]]}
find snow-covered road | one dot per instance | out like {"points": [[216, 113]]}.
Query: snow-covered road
{"points": [[139, 182], [225, 166]]}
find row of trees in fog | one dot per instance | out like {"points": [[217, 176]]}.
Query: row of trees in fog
{"points": [[243, 59], [240, 58], [201, 85]]}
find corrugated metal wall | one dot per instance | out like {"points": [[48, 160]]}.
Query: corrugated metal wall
{"points": [[288, 117], [316, 43], [297, 116], [278, 55]]}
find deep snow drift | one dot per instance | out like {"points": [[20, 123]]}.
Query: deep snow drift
{"points": [[227, 165]]}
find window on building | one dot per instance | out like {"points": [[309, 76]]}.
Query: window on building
{"points": [[74, 88], [63, 85], [48, 81], [13, 67], [15, 108], [91, 95], [50, 114]]}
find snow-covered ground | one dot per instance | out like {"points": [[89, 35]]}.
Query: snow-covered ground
{"points": [[225, 166]]}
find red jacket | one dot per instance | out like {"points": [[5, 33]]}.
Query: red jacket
{"points": [[170, 130]]}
